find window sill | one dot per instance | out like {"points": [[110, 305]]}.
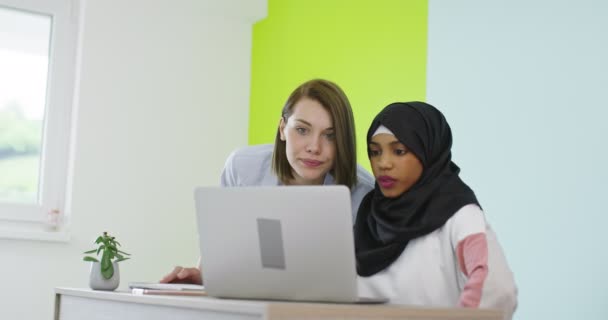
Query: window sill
{"points": [[32, 231]]}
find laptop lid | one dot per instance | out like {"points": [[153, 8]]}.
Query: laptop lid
{"points": [[283, 243]]}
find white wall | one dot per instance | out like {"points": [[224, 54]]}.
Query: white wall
{"points": [[164, 97], [523, 85]]}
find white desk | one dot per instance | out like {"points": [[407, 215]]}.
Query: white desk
{"points": [[72, 304]]}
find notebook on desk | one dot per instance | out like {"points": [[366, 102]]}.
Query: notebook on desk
{"points": [[278, 243], [179, 289]]}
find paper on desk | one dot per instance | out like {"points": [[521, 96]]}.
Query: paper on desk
{"points": [[139, 292], [166, 286]]}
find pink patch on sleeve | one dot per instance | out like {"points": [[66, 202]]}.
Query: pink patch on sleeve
{"points": [[472, 253]]}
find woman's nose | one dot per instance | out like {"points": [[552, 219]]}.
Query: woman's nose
{"points": [[314, 146], [384, 162]]}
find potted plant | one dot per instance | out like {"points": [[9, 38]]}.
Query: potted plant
{"points": [[104, 273]]}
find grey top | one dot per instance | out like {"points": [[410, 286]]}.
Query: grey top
{"points": [[252, 166]]}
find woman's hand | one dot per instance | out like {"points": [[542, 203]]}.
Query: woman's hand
{"points": [[183, 275]]}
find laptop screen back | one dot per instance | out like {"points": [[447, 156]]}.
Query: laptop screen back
{"points": [[285, 243]]}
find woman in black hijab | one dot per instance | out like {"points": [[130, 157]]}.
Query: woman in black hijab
{"points": [[421, 237]]}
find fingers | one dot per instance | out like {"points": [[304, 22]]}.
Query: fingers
{"points": [[184, 273], [196, 276], [172, 276], [190, 275]]}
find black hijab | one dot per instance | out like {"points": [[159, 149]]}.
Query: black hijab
{"points": [[384, 226]]}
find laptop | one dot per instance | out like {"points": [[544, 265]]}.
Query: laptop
{"points": [[278, 243]]}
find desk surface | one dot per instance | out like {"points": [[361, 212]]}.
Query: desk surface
{"points": [[74, 303]]}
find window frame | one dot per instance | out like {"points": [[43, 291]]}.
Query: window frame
{"points": [[37, 221]]}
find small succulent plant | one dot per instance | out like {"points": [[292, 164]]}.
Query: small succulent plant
{"points": [[108, 248]]}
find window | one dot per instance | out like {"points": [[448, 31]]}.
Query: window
{"points": [[38, 41]]}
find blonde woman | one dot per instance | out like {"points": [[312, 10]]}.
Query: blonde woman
{"points": [[314, 145]]}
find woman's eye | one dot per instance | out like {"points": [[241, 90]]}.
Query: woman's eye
{"points": [[301, 130], [400, 152], [330, 136], [373, 153]]}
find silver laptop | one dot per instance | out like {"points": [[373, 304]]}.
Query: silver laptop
{"points": [[278, 243]]}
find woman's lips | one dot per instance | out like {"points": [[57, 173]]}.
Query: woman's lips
{"points": [[311, 163], [386, 182]]}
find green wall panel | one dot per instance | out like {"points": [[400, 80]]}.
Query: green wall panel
{"points": [[375, 50]]}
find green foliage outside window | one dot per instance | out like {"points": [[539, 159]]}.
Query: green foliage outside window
{"points": [[20, 144]]}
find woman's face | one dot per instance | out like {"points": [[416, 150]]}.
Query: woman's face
{"points": [[396, 168], [309, 137]]}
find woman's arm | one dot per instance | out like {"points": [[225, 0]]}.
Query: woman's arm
{"points": [[228, 175], [488, 279], [472, 255]]}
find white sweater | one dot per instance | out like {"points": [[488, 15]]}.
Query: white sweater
{"points": [[459, 264]]}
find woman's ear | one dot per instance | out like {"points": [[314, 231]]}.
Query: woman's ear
{"points": [[282, 128]]}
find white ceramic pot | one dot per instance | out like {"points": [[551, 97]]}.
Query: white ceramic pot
{"points": [[98, 282]]}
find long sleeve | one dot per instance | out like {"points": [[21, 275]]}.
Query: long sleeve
{"points": [[472, 255], [488, 280], [228, 178]]}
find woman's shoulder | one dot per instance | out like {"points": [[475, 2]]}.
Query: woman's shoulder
{"points": [[259, 151], [365, 183], [250, 156], [468, 220], [250, 165], [364, 177]]}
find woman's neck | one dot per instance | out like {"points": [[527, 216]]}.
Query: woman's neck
{"points": [[299, 181]]}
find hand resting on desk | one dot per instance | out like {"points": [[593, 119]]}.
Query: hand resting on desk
{"points": [[183, 275]]}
